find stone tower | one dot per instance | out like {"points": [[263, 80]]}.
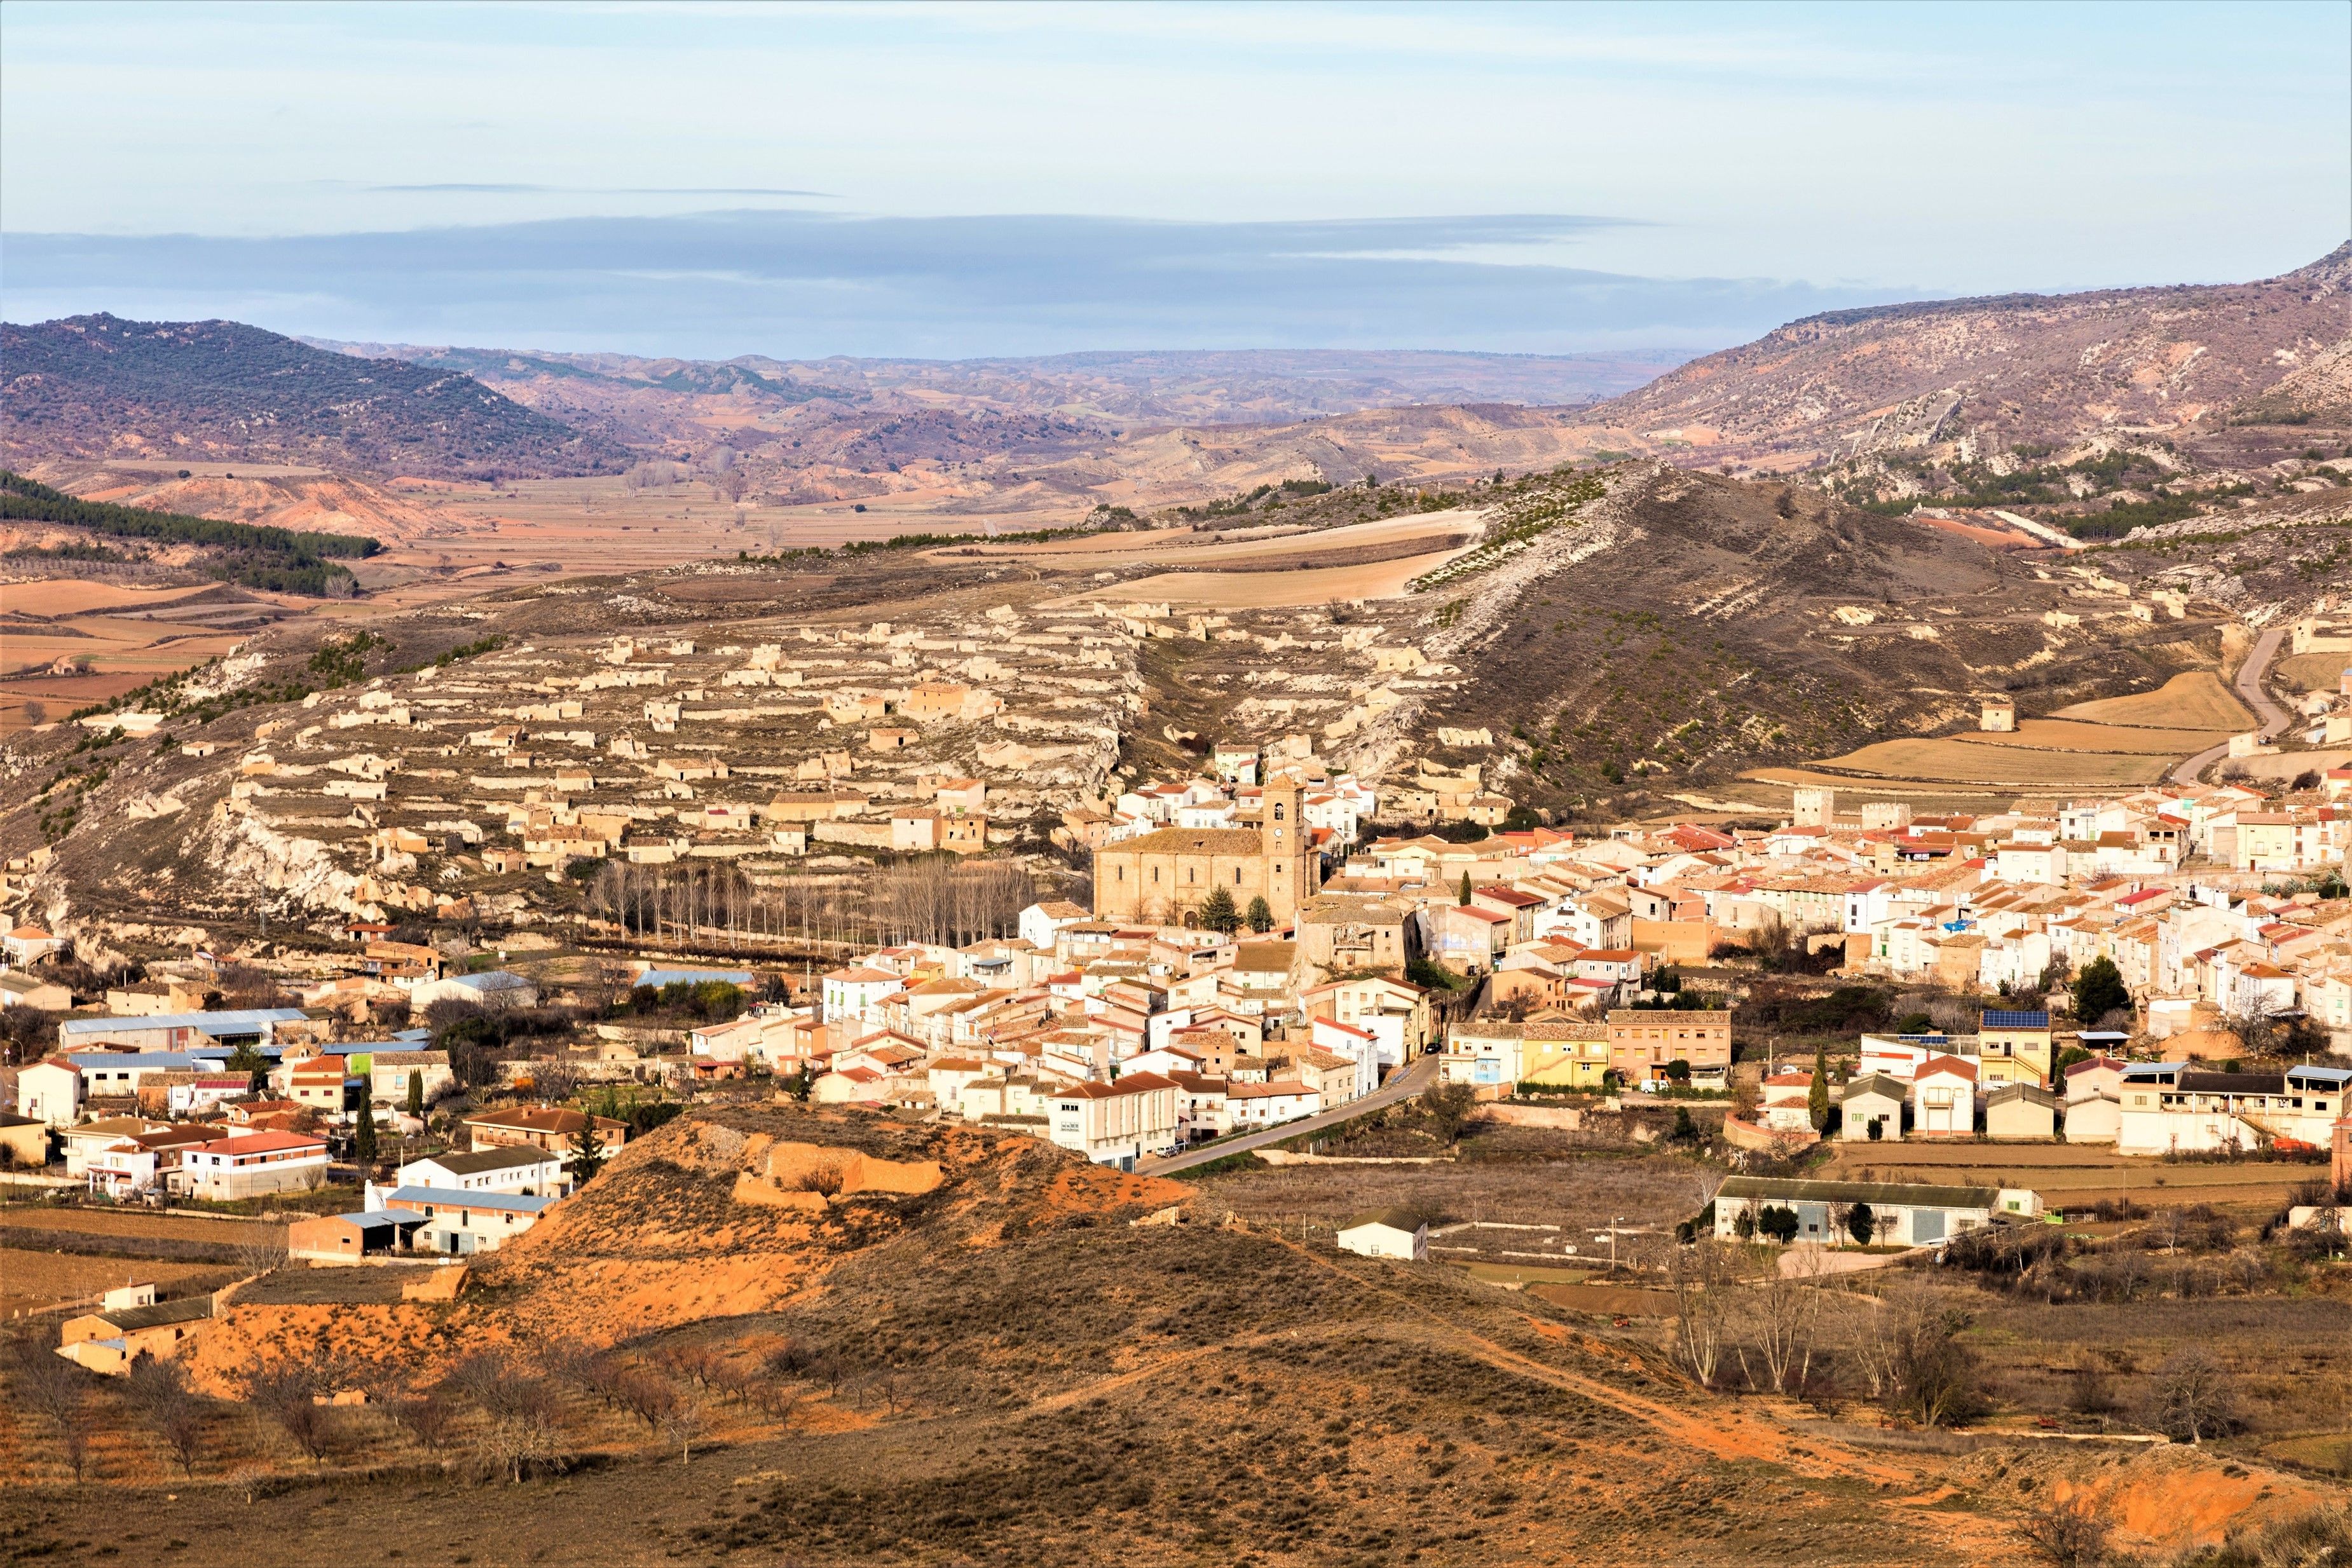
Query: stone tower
{"points": [[1286, 846]]}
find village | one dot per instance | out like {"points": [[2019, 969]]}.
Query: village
{"points": [[520, 910], [2162, 973]]}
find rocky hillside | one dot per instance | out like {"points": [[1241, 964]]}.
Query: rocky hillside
{"points": [[1684, 627], [2026, 368], [94, 386]]}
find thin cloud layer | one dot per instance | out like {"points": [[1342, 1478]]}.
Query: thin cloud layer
{"points": [[800, 282]]}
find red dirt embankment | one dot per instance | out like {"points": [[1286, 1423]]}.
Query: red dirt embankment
{"points": [[718, 1214]]}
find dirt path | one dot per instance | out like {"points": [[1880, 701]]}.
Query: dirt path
{"points": [[2269, 717], [1725, 1435]]}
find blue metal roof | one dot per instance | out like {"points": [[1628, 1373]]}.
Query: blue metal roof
{"points": [[451, 1196], [2016, 1020], [376, 1219], [694, 977], [2336, 1077], [233, 1021], [160, 1060]]}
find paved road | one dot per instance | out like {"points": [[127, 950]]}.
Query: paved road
{"points": [[1399, 1086], [2273, 717]]}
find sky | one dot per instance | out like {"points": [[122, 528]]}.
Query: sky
{"points": [[953, 180]]}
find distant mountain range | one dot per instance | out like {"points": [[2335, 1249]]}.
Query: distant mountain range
{"points": [[2222, 375], [99, 386], [1242, 386]]}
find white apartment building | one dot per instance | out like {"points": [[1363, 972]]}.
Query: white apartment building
{"points": [[2169, 1107], [1116, 1123]]}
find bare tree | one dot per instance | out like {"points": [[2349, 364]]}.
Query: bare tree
{"points": [[289, 1395], [1926, 1373], [47, 1383], [1783, 1322], [261, 1248], [2195, 1397], [686, 1421], [522, 1417], [648, 1397], [554, 1081], [425, 1415], [158, 1390], [2068, 1534], [1703, 1279]]}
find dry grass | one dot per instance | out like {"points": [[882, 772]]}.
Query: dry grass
{"points": [[2196, 700], [2311, 671]]}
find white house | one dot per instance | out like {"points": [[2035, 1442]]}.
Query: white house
{"points": [[1116, 1123], [514, 1168], [390, 1071], [2093, 1111], [1787, 1102], [51, 1090], [2168, 1107], [1265, 1104], [459, 1223], [858, 992], [1389, 1233], [229, 1168], [1871, 1109], [1040, 922], [1944, 1098], [1360, 1046]]}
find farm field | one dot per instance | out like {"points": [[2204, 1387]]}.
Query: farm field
{"points": [[1286, 590], [1923, 796], [1579, 1191], [31, 1281], [2194, 700], [1953, 761], [2069, 735], [2074, 1175], [124, 1222]]}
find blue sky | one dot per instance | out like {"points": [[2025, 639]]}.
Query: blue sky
{"points": [[968, 180]]}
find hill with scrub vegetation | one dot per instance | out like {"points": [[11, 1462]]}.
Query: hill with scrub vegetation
{"points": [[99, 386], [846, 1338]]}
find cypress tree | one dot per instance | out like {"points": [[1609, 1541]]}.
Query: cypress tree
{"points": [[1817, 1098]]}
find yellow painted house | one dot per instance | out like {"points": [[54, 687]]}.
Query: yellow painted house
{"points": [[2014, 1048]]}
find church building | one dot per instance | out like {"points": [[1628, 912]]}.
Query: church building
{"points": [[1160, 878]]}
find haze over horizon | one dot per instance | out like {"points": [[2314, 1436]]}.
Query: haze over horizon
{"points": [[953, 183]]}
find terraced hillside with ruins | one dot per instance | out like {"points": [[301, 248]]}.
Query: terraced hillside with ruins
{"points": [[1604, 643]]}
